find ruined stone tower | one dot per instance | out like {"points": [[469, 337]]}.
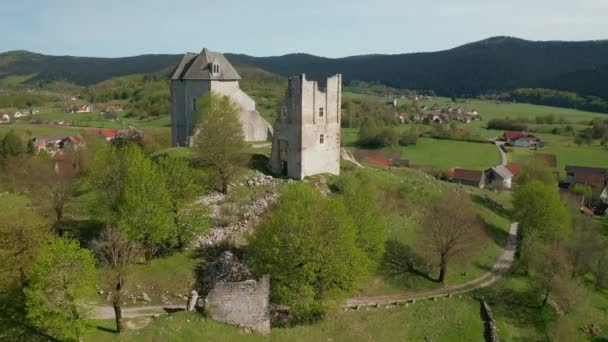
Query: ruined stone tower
{"points": [[194, 76], [306, 138]]}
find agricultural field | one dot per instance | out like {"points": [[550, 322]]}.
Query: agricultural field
{"points": [[566, 151], [443, 154]]}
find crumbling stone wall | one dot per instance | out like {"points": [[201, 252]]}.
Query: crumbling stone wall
{"points": [[244, 303], [491, 329]]}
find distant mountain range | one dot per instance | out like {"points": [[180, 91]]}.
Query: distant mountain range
{"points": [[494, 64]]}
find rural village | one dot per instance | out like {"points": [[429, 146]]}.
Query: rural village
{"points": [[218, 196]]}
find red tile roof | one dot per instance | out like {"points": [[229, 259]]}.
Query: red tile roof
{"points": [[514, 168], [550, 159], [107, 133], [467, 175], [514, 135]]}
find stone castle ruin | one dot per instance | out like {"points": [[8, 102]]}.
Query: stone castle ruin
{"points": [[196, 75], [232, 295], [306, 138]]}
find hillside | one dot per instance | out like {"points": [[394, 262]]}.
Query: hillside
{"points": [[494, 64]]}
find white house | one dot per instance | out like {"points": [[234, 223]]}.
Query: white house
{"points": [[500, 174]]}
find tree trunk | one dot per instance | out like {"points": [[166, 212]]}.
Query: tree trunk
{"points": [[118, 314], [224, 185], [443, 265], [180, 242], [546, 299], [117, 303]]}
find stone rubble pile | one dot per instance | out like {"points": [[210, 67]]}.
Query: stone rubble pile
{"points": [[251, 216], [226, 268]]}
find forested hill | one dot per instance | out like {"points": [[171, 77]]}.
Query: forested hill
{"points": [[78, 70], [495, 64]]}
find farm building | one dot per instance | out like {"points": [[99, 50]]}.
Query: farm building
{"points": [[521, 139], [469, 177], [499, 174], [594, 177]]}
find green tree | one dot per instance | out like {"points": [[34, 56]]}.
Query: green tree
{"points": [[361, 201], [585, 191], [309, 248], [119, 254], [549, 271], [537, 170], [61, 277], [409, 137], [131, 192], [219, 140], [368, 133], [22, 235], [543, 216], [145, 209], [184, 184], [450, 229], [11, 144]]}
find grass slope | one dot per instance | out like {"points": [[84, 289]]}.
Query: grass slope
{"points": [[447, 320]]}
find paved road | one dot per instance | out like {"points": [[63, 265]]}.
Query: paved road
{"points": [[501, 265], [503, 155]]}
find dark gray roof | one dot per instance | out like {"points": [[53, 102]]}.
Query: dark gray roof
{"points": [[574, 169], [196, 67]]}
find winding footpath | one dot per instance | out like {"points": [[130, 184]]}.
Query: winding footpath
{"points": [[107, 311], [501, 266]]}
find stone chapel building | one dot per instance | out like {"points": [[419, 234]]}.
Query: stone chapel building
{"points": [[198, 74], [306, 138]]}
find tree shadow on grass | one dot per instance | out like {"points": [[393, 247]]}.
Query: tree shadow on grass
{"points": [[518, 307], [492, 205], [110, 330], [400, 264], [14, 326], [83, 230], [497, 234]]}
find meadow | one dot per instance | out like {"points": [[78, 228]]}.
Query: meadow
{"points": [[447, 320], [442, 154]]}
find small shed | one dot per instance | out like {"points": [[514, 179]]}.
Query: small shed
{"points": [[469, 177], [499, 174]]}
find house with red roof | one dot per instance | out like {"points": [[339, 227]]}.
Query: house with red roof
{"points": [[106, 133], [469, 177], [116, 108], [520, 139], [85, 108], [515, 169]]}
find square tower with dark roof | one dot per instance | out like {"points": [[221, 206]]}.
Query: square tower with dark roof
{"points": [[194, 76]]}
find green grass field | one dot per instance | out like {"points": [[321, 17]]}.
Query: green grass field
{"points": [[447, 320], [447, 153], [454, 153], [566, 151]]}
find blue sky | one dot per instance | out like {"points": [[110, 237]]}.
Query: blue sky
{"points": [[332, 28]]}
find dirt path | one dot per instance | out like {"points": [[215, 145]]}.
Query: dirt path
{"points": [[107, 311], [501, 265]]}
